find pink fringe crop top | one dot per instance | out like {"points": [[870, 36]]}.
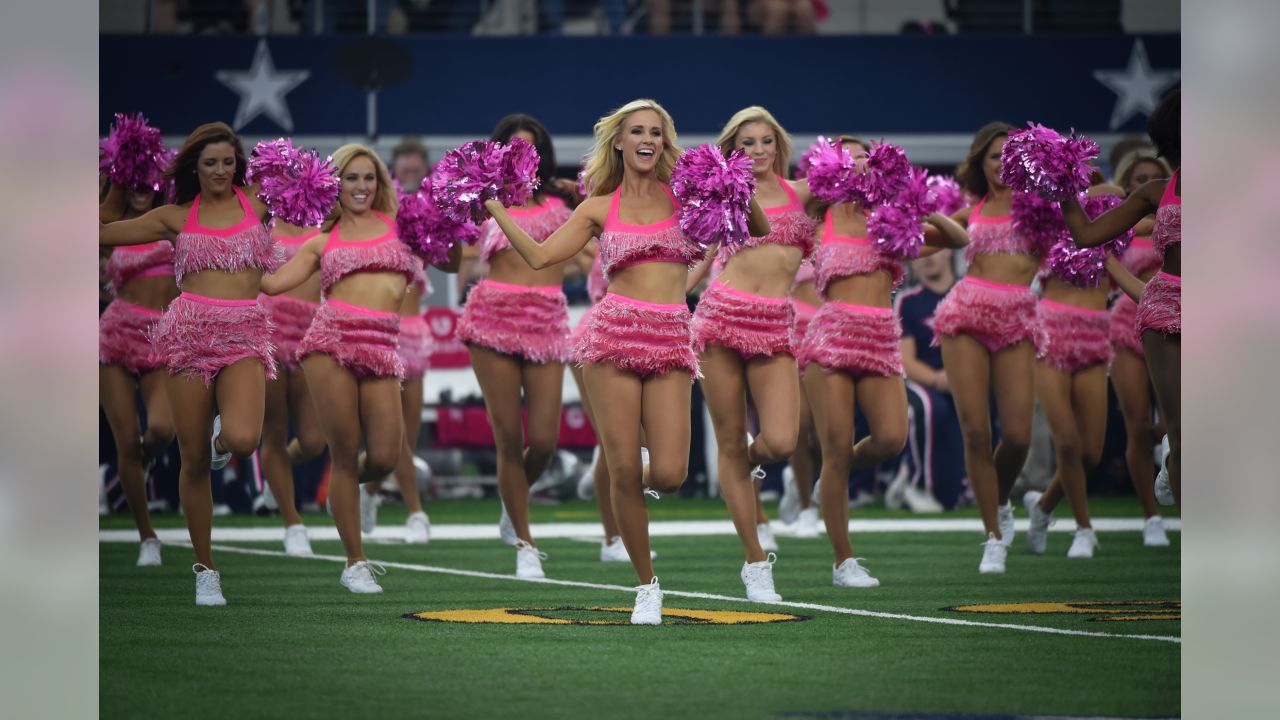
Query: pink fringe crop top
{"points": [[384, 253], [1140, 257], [154, 259], [840, 256], [597, 283], [788, 226], [539, 221], [243, 246], [996, 236], [623, 245], [1168, 231]]}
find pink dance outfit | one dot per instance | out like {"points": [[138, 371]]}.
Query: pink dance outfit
{"points": [[123, 326], [857, 339], [1160, 308], [597, 286], [291, 316], [531, 323], [1140, 258], [997, 315], [642, 337], [754, 325], [803, 310], [415, 333], [360, 339], [1075, 337], [198, 336]]}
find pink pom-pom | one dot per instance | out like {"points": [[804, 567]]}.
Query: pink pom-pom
{"points": [[423, 225], [897, 228], [519, 173], [133, 154], [1040, 160], [1037, 218], [482, 170], [1084, 267], [884, 175], [831, 171], [802, 165], [296, 184], [947, 193], [714, 194]]}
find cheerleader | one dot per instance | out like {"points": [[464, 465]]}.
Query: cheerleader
{"points": [[797, 504]]}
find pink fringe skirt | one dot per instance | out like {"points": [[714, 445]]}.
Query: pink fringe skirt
{"points": [[1161, 306], [1076, 338], [575, 335], [361, 340], [1124, 326], [292, 317], [198, 336], [415, 345], [856, 339], [122, 337], [529, 322], [995, 314], [641, 337], [750, 325], [804, 313]]}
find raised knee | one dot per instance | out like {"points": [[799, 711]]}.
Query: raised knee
{"points": [[890, 444], [1069, 450], [381, 460], [310, 446], [161, 430], [781, 443], [239, 441], [542, 445], [667, 479]]}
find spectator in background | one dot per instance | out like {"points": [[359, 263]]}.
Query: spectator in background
{"points": [[410, 162], [782, 17], [1123, 147], [935, 447], [730, 20]]}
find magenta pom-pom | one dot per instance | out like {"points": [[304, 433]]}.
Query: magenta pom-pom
{"points": [[1040, 160], [483, 170], [947, 194], [831, 171], [802, 165], [897, 227], [297, 185], [714, 192], [133, 154], [884, 175], [1037, 218], [269, 158], [424, 226], [519, 173], [1084, 267]]}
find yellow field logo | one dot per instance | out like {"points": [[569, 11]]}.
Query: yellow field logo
{"points": [[598, 616], [1099, 610]]}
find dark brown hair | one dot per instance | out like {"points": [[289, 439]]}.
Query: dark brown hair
{"points": [[411, 146], [510, 125], [186, 184], [970, 174], [1165, 128]]}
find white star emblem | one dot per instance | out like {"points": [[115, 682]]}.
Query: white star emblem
{"points": [[262, 89], [1138, 88]]}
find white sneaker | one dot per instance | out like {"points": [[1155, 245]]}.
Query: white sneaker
{"points": [[765, 534], [789, 505], [368, 510], [587, 483], [921, 501], [149, 552], [895, 495], [506, 530], [1038, 530], [360, 578], [208, 586], [417, 529], [529, 561], [1004, 514], [807, 523], [862, 499], [993, 555], [648, 608], [297, 541], [1164, 491], [757, 577], [850, 574], [219, 460], [1153, 534], [614, 551], [1083, 544]]}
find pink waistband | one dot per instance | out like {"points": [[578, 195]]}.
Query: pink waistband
{"points": [[218, 301], [1170, 277], [363, 310], [802, 305], [645, 303], [1074, 309], [1006, 287], [143, 309], [865, 309], [549, 289], [748, 296], [264, 298], [159, 271]]}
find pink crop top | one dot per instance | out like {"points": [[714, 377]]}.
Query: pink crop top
{"points": [[154, 259], [788, 226], [804, 275], [539, 221], [1140, 258], [996, 236], [384, 253], [243, 246], [290, 244], [597, 283], [841, 256], [623, 245], [1168, 230]]}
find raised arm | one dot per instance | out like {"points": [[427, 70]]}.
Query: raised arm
{"points": [[757, 222], [941, 231], [700, 270], [113, 205], [563, 244], [453, 263], [300, 267], [1125, 280], [162, 223], [1090, 233]]}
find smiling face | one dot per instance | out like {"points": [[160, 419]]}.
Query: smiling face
{"points": [[641, 141], [760, 142], [991, 161], [359, 185], [216, 167], [140, 200], [409, 169]]}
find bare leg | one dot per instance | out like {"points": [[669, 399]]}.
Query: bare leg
{"points": [[617, 396], [308, 442], [1013, 380], [193, 418], [1133, 391], [600, 474], [406, 473], [774, 385], [724, 387], [1164, 359], [968, 366], [159, 433], [831, 395], [802, 460], [500, 379], [337, 398], [1054, 389], [116, 393], [883, 401], [275, 454], [543, 393]]}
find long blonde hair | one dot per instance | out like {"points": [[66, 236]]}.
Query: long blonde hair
{"points": [[603, 173], [755, 113], [384, 199]]}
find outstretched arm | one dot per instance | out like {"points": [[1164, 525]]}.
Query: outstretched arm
{"points": [[300, 267], [113, 205], [454, 261], [162, 223], [941, 231], [1112, 223], [563, 244]]}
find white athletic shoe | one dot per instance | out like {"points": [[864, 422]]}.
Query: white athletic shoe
{"points": [[648, 607], [219, 460], [368, 510], [360, 578], [1038, 530], [993, 555], [529, 561], [587, 483], [758, 579], [149, 553], [1164, 491], [807, 523], [1004, 514], [208, 586], [297, 541], [895, 495], [1153, 534], [921, 501], [789, 505], [614, 551], [1083, 544], [850, 574], [765, 534], [506, 530], [417, 529]]}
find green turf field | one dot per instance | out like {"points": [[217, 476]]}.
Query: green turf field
{"points": [[293, 643]]}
